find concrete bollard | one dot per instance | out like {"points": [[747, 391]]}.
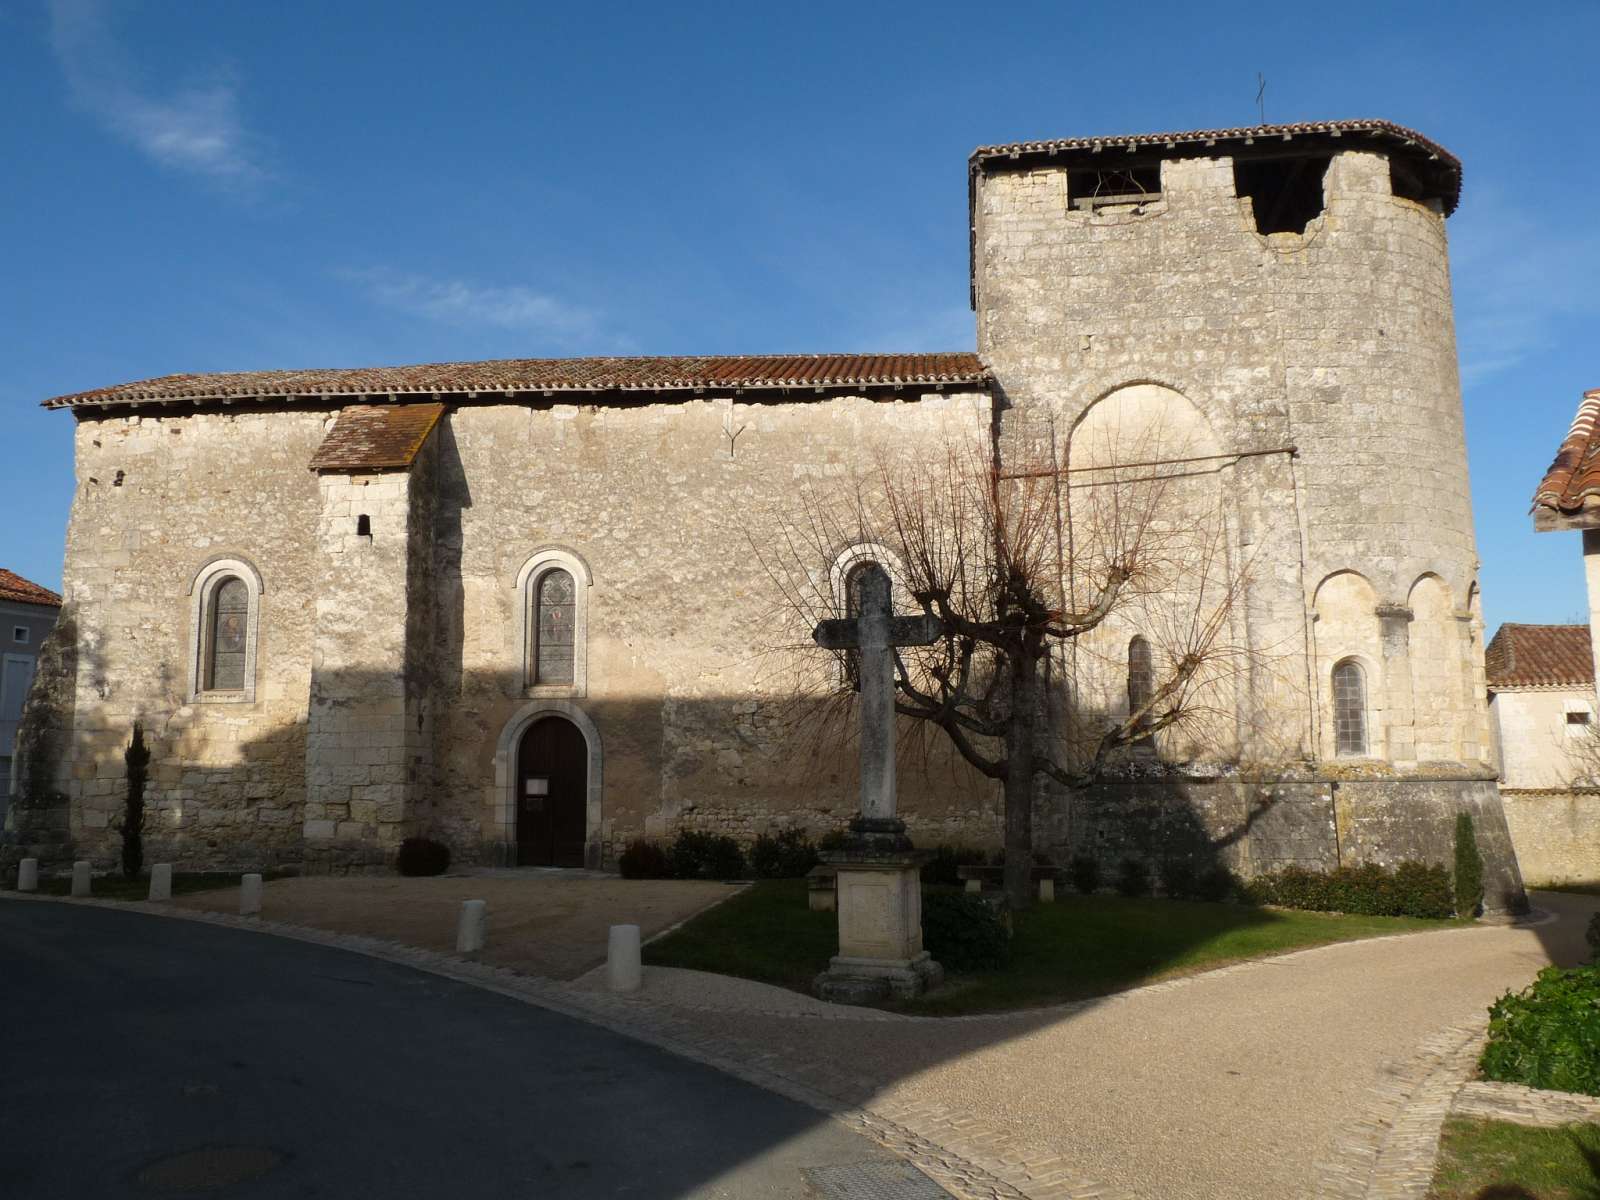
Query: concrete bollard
{"points": [[1047, 890], [623, 971], [250, 896], [161, 881], [80, 878], [472, 927], [28, 875], [974, 886]]}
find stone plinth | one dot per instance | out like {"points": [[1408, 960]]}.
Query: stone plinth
{"points": [[879, 899]]}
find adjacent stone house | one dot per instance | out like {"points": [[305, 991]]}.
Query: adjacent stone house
{"points": [[27, 614], [515, 605]]}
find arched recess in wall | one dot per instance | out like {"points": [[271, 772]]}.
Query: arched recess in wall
{"points": [[505, 773], [1436, 647], [1143, 468], [224, 628], [1346, 629]]}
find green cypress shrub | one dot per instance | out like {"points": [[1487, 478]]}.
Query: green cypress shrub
{"points": [[137, 759], [1469, 869]]}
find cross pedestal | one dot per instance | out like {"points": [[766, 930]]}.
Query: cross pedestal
{"points": [[879, 887]]}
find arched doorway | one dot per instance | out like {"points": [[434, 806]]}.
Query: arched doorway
{"points": [[552, 792]]}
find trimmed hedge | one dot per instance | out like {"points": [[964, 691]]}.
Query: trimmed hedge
{"points": [[696, 855], [1548, 1035], [1084, 872], [1592, 936], [789, 854], [964, 932], [644, 860], [1412, 889], [1133, 878], [422, 856]]}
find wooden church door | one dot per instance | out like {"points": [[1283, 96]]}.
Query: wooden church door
{"points": [[552, 795]]}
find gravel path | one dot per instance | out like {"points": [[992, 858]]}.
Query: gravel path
{"points": [[1236, 1083]]}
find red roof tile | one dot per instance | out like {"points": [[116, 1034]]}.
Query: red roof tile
{"points": [[376, 437], [20, 591], [1573, 481], [1540, 656], [549, 375], [1445, 168]]}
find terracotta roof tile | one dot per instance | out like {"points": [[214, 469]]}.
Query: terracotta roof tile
{"points": [[1540, 656], [376, 437], [1573, 481], [541, 375], [21, 591], [1445, 167]]}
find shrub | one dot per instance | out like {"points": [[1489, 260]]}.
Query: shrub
{"points": [[1592, 936], [1216, 883], [964, 932], [1412, 889], [1548, 1036], [644, 860], [837, 839], [422, 856], [137, 759], [1133, 878], [943, 868], [787, 855], [1469, 868], [1178, 879], [696, 855], [1084, 872]]}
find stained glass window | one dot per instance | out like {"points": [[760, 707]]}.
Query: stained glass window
{"points": [[555, 613], [1349, 709], [1141, 677], [230, 620]]}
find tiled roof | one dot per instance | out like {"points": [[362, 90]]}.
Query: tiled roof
{"points": [[1573, 481], [21, 591], [376, 437], [1446, 167], [1540, 656], [550, 375]]}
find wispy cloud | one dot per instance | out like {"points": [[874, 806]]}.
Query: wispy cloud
{"points": [[195, 129], [458, 302], [1518, 278]]}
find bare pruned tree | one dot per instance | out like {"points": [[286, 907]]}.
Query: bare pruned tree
{"points": [[1036, 575]]}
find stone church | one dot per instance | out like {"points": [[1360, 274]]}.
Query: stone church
{"points": [[513, 605]]}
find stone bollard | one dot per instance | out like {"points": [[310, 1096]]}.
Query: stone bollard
{"points": [[472, 927], [623, 972], [1047, 890], [161, 881], [80, 878], [250, 895], [974, 886], [28, 875]]}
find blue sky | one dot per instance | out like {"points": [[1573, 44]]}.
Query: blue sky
{"points": [[214, 187]]}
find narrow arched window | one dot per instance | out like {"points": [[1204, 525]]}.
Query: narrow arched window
{"points": [[1141, 678], [227, 630], [1349, 709], [555, 624]]}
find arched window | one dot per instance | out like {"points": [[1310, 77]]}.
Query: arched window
{"points": [[554, 624], [225, 615], [1141, 677], [226, 635], [553, 587], [1349, 708]]}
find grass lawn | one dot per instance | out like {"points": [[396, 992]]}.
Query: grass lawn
{"points": [[1077, 947], [1514, 1162], [115, 887]]}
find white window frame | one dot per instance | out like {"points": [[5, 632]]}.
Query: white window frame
{"points": [[202, 592], [539, 564]]}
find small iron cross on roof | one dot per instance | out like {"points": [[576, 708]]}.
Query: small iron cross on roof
{"points": [[873, 633]]}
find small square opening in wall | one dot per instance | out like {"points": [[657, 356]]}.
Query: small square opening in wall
{"points": [[1090, 188], [1579, 718], [19, 634], [364, 526]]}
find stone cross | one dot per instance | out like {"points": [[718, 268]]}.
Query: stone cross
{"points": [[873, 633]]}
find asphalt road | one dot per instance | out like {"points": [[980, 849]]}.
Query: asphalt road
{"points": [[146, 1057]]}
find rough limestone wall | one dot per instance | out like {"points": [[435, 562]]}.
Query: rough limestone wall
{"points": [[158, 497], [1556, 833], [37, 822], [359, 741], [689, 649]]}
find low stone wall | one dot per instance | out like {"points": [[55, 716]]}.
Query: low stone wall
{"points": [[1525, 1105], [1556, 833]]}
